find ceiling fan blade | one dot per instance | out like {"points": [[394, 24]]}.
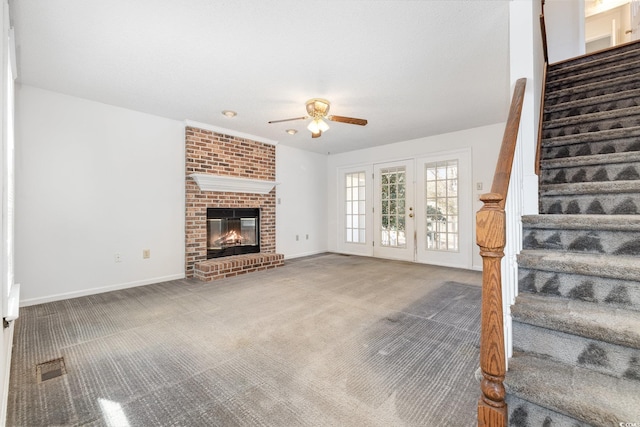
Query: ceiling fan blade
{"points": [[350, 120], [288, 120]]}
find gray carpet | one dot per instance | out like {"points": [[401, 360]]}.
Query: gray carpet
{"points": [[328, 340]]}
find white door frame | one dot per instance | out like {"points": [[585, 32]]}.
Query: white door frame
{"points": [[463, 257]]}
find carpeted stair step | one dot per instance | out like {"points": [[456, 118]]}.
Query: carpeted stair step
{"points": [[596, 104], [615, 360], [589, 397], [598, 198], [579, 333], [523, 413], [594, 122], [601, 59], [606, 266], [612, 281], [591, 168], [625, 140], [612, 292], [608, 234], [594, 75], [589, 90]]}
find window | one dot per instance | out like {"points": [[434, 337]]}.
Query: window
{"points": [[441, 197], [355, 186], [393, 195]]}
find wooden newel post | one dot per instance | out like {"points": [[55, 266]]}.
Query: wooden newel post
{"points": [[490, 237]]}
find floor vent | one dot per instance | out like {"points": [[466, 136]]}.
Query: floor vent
{"points": [[51, 369]]}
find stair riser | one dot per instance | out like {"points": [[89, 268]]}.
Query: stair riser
{"points": [[579, 125], [590, 91], [602, 204], [587, 107], [596, 60], [573, 147], [555, 72], [526, 414], [592, 173], [592, 76], [581, 241], [610, 359], [615, 293]]}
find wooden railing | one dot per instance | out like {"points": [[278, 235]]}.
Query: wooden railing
{"points": [[543, 33], [545, 53], [491, 238]]}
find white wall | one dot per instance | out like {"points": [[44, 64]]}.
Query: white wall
{"points": [[93, 180], [7, 212], [565, 28], [484, 143], [527, 61], [301, 199]]}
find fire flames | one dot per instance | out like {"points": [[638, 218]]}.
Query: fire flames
{"points": [[231, 238]]}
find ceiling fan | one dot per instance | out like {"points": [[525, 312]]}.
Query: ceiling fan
{"points": [[318, 108]]}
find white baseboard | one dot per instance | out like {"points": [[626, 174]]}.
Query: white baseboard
{"points": [[92, 291], [7, 349], [304, 254]]}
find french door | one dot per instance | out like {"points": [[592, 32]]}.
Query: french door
{"points": [[444, 212], [394, 214], [423, 210]]}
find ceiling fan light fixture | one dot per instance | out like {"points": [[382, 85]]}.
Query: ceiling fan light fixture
{"points": [[313, 126], [322, 125], [318, 125]]}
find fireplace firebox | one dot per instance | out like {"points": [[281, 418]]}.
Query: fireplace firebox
{"points": [[232, 231]]}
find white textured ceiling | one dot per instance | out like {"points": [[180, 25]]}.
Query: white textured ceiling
{"points": [[411, 68]]}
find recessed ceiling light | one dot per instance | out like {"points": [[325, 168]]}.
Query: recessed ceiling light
{"points": [[291, 131], [229, 113]]}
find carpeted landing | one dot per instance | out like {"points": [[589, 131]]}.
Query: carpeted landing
{"points": [[328, 340]]}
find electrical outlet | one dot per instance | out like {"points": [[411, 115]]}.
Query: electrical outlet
{"points": [[297, 237], [479, 186], [307, 237], [146, 253], [117, 257]]}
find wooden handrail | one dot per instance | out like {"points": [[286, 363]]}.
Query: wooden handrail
{"points": [[502, 174], [536, 166], [491, 238], [543, 33]]}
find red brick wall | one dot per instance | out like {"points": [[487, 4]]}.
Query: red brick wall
{"points": [[217, 154]]}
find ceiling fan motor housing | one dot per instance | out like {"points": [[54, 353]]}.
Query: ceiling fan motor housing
{"points": [[317, 107]]}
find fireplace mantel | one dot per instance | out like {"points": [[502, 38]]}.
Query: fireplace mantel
{"points": [[222, 183]]}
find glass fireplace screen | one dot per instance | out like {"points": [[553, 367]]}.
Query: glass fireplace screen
{"points": [[232, 231]]}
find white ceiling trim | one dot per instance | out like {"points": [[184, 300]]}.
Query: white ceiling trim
{"points": [[231, 132]]}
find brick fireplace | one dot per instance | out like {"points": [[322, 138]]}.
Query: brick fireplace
{"points": [[225, 171]]}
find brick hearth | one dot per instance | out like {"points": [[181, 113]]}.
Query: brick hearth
{"points": [[208, 152]]}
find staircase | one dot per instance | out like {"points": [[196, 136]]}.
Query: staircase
{"points": [[576, 321]]}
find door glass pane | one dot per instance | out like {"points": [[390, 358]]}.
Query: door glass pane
{"points": [[355, 203], [441, 200], [392, 198]]}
